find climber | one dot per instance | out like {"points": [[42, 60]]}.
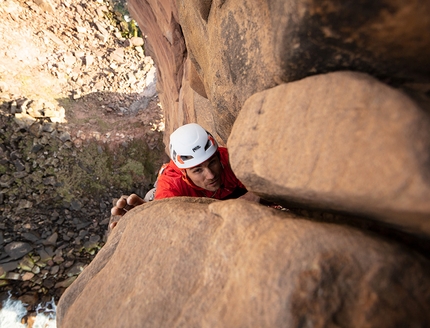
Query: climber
{"points": [[198, 168]]}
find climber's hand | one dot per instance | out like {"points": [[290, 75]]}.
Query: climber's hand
{"points": [[126, 203]]}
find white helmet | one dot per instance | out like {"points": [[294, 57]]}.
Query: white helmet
{"points": [[191, 145]]}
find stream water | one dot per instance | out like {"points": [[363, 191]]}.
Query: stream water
{"points": [[13, 312]]}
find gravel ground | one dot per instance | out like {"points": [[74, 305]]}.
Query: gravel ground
{"points": [[80, 124]]}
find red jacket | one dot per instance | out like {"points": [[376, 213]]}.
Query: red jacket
{"points": [[172, 182]]}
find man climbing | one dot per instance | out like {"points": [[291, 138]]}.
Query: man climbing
{"points": [[198, 168]]}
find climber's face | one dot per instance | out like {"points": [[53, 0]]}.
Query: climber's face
{"points": [[207, 175]]}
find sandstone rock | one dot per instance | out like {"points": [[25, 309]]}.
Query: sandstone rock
{"points": [[240, 48], [27, 276], [197, 108], [81, 29], [69, 59], [165, 43], [139, 49], [24, 120], [136, 41], [45, 5], [102, 29], [198, 263], [341, 141], [320, 38], [117, 55], [54, 38], [3, 86], [150, 82], [102, 37], [89, 60]]}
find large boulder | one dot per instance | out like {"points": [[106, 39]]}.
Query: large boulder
{"points": [[187, 262], [340, 141]]}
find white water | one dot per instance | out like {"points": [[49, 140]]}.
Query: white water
{"points": [[13, 311]]}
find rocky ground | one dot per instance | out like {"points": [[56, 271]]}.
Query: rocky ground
{"points": [[80, 124]]}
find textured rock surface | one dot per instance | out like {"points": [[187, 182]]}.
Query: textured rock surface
{"points": [[239, 48], [198, 263], [340, 141], [159, 21]]}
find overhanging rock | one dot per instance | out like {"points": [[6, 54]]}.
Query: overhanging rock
{"points": [[341, 141]]}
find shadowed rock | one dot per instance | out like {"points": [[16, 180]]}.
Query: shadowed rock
{"points": [[203, 263]]}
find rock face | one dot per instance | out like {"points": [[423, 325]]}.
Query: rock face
{"points": [[240, 48], [373, 162], [324, 106], [199, 263], [340, 141], [159, 21]]}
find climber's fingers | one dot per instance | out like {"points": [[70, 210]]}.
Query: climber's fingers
{"points": [[134, 200]]}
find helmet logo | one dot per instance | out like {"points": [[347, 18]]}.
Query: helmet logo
{"points": [[196, 148], [179, 159]]}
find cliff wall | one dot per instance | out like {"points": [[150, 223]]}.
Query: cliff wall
{"points": [[325, 109]]}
